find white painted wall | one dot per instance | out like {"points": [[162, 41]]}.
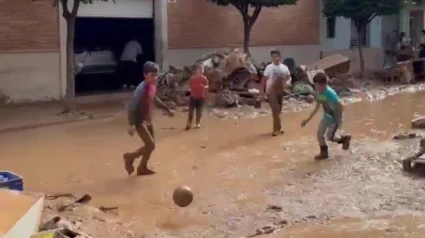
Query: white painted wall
{"points": [[342, 35], [375, 33], [344, 32], [121, 8], [29, 76]]}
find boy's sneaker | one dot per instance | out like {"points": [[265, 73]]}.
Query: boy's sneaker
{"points": [[188, 126], [198, 126], [346, 142]]}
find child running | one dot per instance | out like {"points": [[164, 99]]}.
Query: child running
{"points": [[140, 112], [332, 118], [198, 92]]}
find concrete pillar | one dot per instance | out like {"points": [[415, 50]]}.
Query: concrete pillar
{"points": [[62, 44], [161, 33]]}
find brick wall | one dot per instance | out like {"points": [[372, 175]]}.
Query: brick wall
{"points": [[27, 25], [198, 23]]}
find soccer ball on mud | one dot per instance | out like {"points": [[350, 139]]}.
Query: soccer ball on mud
{"points": [[182, 196]]}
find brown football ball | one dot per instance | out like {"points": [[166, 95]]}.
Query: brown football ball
{"points": [[310, 98], [182, 196]]}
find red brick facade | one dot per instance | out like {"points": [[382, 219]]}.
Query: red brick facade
{"points": [[27, 25], [198, 23]]}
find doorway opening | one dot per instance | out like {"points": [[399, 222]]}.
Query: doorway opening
{"points": [[98, 45]]}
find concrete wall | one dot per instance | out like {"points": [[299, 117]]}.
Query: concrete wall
{"points": [[389, 25], [344, 32], [30, 76], [302, 54], [29, 51]]}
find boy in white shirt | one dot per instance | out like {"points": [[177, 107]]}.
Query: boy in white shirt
{"points": [[276, 77]]}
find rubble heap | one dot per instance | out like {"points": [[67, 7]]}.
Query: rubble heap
{"points": [[235, 78]]}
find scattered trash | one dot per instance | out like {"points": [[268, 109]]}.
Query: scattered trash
{"points": [[84, 199], [109, 209]]}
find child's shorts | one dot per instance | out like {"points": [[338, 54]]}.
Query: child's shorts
{"points": [[328, 128]]}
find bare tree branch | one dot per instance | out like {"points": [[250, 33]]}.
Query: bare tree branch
{"points": [[255, 14], [65, 8], [371, 17], [75, 8]]}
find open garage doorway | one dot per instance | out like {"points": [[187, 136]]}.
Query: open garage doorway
{"points": [[98, 46]]}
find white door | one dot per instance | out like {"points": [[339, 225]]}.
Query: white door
{"points": [[119, 9]]}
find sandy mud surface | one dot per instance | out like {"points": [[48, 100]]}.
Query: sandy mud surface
{"points": [[246, 183]]}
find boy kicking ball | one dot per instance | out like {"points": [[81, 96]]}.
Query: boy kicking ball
{"points": [[140, 112], [332, 118]]}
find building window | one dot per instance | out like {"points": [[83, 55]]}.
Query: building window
{"points": [[365, 40], [330, 27]]}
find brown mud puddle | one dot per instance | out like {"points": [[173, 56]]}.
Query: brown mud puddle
{"points": [[228, 163]]}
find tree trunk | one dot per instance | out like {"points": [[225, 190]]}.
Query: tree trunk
{"points": [[246, 37], [361, 57], [70, 65]]}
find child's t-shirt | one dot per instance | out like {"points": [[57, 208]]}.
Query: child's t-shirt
{"points": [[141, 102], [276, 77], [197, 86], [329, 100]]}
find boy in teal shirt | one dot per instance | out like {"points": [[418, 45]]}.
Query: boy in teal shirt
{"points": [[332, 118]]}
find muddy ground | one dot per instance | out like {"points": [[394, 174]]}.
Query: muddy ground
{"points": [[245, 182]]}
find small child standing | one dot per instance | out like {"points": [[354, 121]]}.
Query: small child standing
{"points": [[332, 118], [198, 93], [140, 112]]}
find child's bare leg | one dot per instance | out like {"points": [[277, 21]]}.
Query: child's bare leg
{"points": [[321, 131], [280, 100], [345, 140], [147, 135], [128, 163], [190, 114], [199, 113], [274, 106], [143, 166]]}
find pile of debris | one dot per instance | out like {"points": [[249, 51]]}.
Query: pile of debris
{"points": [[236, 79], [66, 216]]}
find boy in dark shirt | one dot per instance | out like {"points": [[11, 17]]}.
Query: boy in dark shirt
{"points": [[140, 119]]}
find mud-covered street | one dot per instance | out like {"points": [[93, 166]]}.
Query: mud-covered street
{"points": [[245, 182]]}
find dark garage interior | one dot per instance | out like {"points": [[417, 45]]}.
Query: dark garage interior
{"points": [[98, 45]]}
